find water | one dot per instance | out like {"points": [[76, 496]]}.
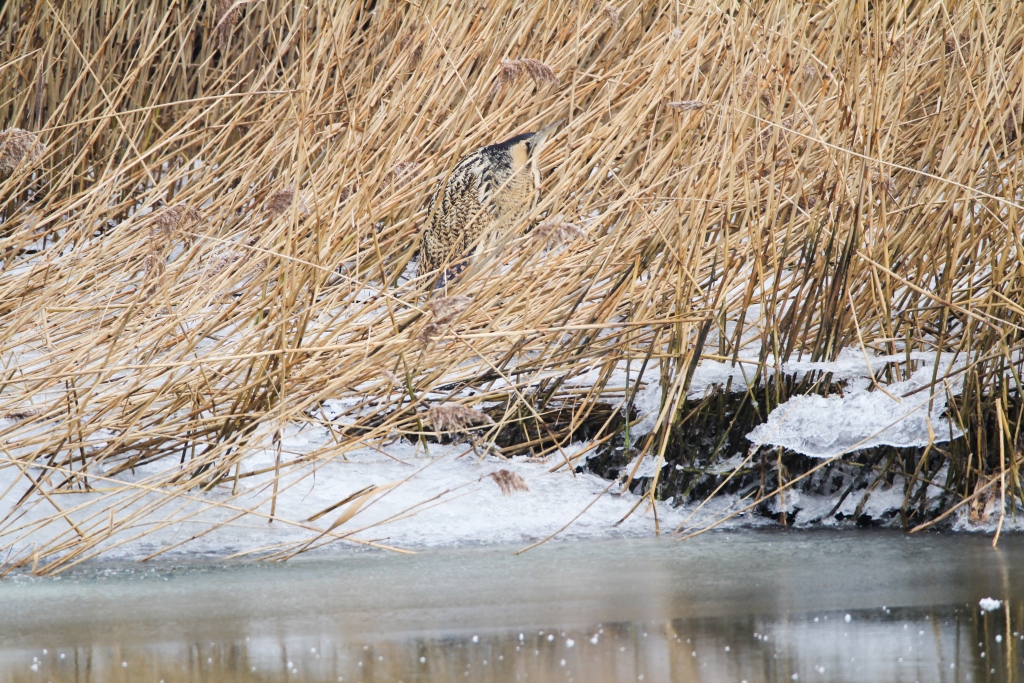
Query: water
{"points": [[754, 606]]}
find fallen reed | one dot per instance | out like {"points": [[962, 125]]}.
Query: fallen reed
{"points": [[208, 233]]}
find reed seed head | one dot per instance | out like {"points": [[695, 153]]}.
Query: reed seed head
{"points": [[612, 15], [443, 311], [282, 200], [446, 309], [687, 105], [153, 268], [557, 230], [1013, 125], [403, 173], [19, 415], [752, 85], [429, 331], [808, 201], [957, 45], [904, 44], [348, 191], [885, 182], [168, 221], [392, 378], [406, 41], [456, 418], [513, 69], [223, 258], [227, 13], [18, 146], [509, 482]]}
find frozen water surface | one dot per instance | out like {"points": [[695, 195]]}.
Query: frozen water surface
{"points": [[755, 606]]}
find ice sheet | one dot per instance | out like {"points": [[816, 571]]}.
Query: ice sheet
{"points": [[903, 414]]}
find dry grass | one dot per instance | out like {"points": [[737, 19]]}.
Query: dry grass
{"points": [[852, 176]]}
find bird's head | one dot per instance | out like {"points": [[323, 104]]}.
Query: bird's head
{"points": [[536, 141], [524, 149]]}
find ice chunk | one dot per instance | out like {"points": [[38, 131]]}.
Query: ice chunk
{"points": [[648, 466], [648, 404], [718, 374], [823, 427]]}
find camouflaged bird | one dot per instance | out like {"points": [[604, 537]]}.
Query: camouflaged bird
{"points": [[481, 201]]}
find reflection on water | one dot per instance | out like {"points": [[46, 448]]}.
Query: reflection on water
{"points": [[940, 645], [743, 607]]}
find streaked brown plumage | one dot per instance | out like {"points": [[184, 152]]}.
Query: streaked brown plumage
{"points": [[481, 200]]}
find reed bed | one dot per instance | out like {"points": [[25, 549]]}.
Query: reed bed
{"points": [[210, 232]]}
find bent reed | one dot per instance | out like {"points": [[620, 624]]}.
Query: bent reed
{"points": [[212, 233]]}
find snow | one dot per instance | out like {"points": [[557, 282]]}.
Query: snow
{"points": [[441, 498], [990, 604]]}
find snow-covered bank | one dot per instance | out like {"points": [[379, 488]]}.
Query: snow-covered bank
{"points": [[399, 497]]}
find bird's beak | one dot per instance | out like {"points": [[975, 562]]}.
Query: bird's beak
{"points": [[541, 136]]}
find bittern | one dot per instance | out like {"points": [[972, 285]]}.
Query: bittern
{"points": [[478, 204]]}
